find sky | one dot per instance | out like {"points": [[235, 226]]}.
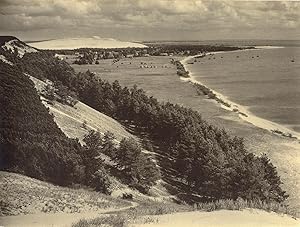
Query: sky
{"points": [[137, 20]]}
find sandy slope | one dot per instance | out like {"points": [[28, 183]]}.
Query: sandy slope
{"points": [[20, 47], [224, 218], [25, 201], [74, 43], [57, 219], [2, 58], [71, 119]]}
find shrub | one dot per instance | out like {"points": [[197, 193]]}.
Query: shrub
{"points": [[111, 220], [240, 204]]}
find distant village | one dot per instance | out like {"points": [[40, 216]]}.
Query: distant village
{"points": [[94, 55]]}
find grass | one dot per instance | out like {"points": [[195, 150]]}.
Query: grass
{"points": [[24, 195], [146, 212], [111, 220], [240, 204]]}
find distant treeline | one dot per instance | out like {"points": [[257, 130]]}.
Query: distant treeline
{"points": [[93, 55], [212, 163]]}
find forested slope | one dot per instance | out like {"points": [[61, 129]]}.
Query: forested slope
{"points": [[33, 145], [31, 142], [205, 158]]}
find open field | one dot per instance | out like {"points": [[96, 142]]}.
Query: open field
{"points": [[163, 83]]}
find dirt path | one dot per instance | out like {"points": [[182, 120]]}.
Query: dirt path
{"points": [[55, 220]]}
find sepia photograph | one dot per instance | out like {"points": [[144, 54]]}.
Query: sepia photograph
{"points": [[149, 113]]}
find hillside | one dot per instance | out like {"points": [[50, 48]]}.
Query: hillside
{"points": [[26, 131], [75, 43], [25, 195], [12, 44], [38, 203], [71, 119]]}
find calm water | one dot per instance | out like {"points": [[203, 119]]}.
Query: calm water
{"points": [[266, 81]]}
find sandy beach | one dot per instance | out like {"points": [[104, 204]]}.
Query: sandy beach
{"points": [[242, 111]]}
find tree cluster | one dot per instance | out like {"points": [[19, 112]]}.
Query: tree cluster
{"points": [[138, 170], [211, 162]]}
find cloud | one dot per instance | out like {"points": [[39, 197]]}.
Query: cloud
{"points": [[109, 17]]}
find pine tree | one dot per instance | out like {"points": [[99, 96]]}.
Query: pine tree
{"points": [[108, 145]]}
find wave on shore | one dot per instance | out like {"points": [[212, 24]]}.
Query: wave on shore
{"points": [[242, 111]]}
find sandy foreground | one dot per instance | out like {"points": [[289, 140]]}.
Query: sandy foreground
{"points": [[45, 220], [224, 218], [56, 219]]}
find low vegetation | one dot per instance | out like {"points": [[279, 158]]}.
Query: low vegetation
{"points": [[203, 90], [148, 212], [23, 195], [180, 69], [240, 204], [144, 213]]}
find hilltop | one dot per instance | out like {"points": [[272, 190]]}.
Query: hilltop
{"points": [[76, 43], [12, 44]]}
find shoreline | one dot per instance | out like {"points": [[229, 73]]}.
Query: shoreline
{"points": [[229, 105]]}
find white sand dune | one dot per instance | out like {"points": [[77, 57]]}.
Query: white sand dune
{"points": [[224, 218], [19, 46], [3, 58], [75, 43]]}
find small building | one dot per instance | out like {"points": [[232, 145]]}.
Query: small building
{"points": [[60, 56], [129, 56], [164, 54]]}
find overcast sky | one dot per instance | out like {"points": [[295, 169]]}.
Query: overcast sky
{"points": [[150, 19]]}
